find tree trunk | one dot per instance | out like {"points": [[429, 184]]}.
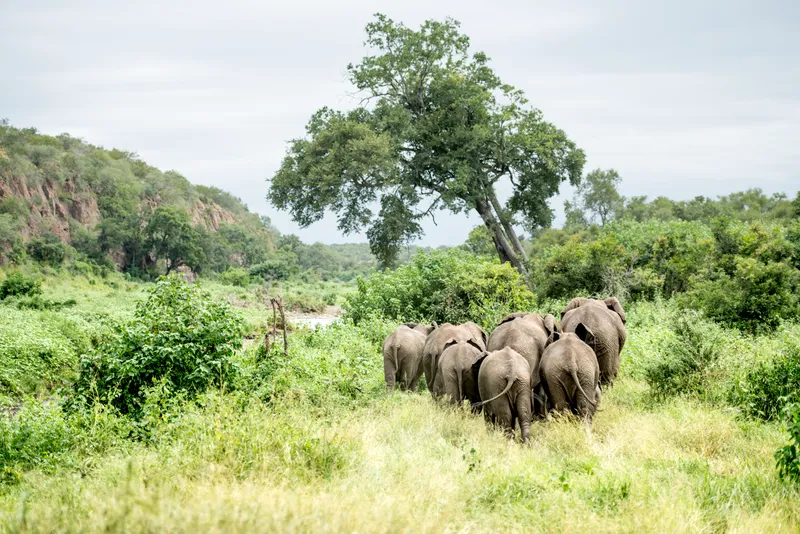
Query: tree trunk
{"points": [[507, 226], [504, 249]]}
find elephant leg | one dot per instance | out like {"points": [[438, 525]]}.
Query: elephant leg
{"points": [[415, 376], [523, 413], [426, 367], [389, 374], [503, 415], [451, 389]]}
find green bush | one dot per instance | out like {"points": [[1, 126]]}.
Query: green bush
{"points": [[756, 298], [18, 285], [686, 358], [452, 286], [764, 389], [48, 249], [38, 303], [788, 456], [235, 277], [178, 334], [271, 270]]}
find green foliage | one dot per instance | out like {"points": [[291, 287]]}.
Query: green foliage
{"points": [[48, 249], [788, 456], [170, 236], [685, 360], [452, 286], [440, 125], [235, 277], [766, 386], [271, 270], [755, 298], [597, 194], [17, 285], [480, 242], [179, 334]]}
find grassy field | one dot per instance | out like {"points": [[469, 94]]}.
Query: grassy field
{"points": [[330, 452]]}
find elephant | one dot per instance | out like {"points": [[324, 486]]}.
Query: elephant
{"points": [[606, 319], [454, 372], [527, 334], [570, 374], [402, 358], [503, 378], [421, 328], [437, 339]]}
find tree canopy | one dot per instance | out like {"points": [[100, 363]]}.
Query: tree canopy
{"points": [[435, 129]]}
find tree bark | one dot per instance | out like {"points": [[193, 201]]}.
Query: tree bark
{"points": [[507, 226], [504, 249]]}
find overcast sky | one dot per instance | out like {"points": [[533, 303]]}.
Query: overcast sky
{"points": [[682, 97]]}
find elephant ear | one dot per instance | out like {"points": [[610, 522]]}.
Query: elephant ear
{"points": [[511, 316], [434, 324], [484, 337], [475, 344], [549, 323], [613, 304], [554, 336], [476, 367], [412, 326], [449, 343], [586, 335], [574, 303]]}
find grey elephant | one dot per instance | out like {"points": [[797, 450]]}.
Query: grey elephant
{"points": [[402, 356], [570, 374], [441, 335], [454, 372], [503, 378], [606, 319], [526, 333]]}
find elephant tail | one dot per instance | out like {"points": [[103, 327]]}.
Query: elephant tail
{"points": [[394, 355], [574, 374], [511, 381]]}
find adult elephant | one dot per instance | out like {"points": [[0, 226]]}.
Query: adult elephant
{"points": [[526, 333], [454, 377], [503, 378], [570, 374], [441, 335], [606, 319], [402, 356]]}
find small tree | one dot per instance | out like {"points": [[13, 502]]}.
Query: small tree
{"points": [[598, 195], [169, 235]]}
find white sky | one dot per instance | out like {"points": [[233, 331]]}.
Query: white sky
{"points": [[683, 98]]}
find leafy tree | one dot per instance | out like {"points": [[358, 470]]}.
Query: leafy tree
{"points": [[479, 241], [575, 216], [598, 195], [48, 249], [169, 235], [437, 126]]}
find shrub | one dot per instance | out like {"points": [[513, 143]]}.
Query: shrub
{"points": [[48, 249], [764, 390], [445, 286], [18, 285], [235, 277], [755, 299], [178, 334], [788, 456], [271, 270], [685, 359]]}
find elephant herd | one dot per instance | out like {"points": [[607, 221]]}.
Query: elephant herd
{"points": [[529, 366]]}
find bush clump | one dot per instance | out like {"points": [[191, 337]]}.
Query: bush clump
{"points": [[686, 358], [19, 285], [178, 335], [788, 456], [452, 286], [235, 277], [764, 391]]}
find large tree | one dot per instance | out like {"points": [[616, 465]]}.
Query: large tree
{"points": [[436, 129]]}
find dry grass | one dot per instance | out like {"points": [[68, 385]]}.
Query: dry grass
{"points": [[403, 464]]}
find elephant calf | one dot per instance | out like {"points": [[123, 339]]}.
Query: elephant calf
{"points": [[402, 356], [570, 374], [454, 372], [434, 345], [504, 380], [526, 333], [606, 319]]}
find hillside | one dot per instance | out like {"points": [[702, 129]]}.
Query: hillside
{"points": [[103, 204]]}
